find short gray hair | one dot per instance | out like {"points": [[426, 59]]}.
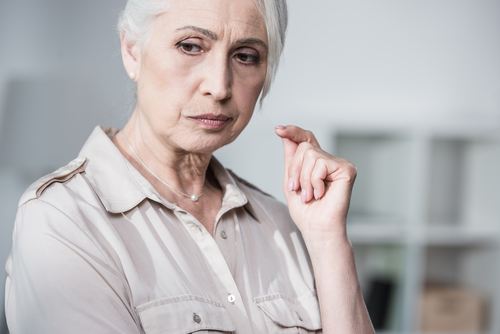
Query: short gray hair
{"points": [[135, 22]]}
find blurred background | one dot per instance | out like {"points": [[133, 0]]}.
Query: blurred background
{"points": [[408, 90]]}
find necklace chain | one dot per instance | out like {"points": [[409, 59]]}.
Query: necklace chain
{"points": [[192, 197]]}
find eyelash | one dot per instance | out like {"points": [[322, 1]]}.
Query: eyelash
{"points": [[255, 59], [182, 45]]}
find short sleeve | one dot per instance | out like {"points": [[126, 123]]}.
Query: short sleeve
{"points": [[58, 280]]}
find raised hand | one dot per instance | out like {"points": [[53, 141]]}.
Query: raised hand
{"points": [[317, 185]]}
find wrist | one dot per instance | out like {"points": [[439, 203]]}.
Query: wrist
{"points": [[321, 240]]}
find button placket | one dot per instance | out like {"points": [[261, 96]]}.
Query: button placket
{"points": [[186, 218], [215, 258]]}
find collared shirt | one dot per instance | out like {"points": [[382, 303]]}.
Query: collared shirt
{"points": [[96, 249]]}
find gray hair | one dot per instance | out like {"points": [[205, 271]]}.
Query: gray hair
{"points": [[136, 19]]}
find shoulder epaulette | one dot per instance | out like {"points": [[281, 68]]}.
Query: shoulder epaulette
{"points": [[62, 174]]}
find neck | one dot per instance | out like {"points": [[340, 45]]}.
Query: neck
{"points": [[184, 172]]}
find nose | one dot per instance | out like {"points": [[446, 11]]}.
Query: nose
{"points": [[217, 78]]}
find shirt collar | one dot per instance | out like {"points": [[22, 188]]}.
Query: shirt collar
{"points": [[121, 187]]}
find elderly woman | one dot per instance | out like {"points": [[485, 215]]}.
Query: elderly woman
{"points": [[146, 232]]}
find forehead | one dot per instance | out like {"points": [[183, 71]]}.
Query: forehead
{"points": [[240, 16]]}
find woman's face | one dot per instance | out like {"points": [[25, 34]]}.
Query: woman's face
{"points": [[200, 72]]}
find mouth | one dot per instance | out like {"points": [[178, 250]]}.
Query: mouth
{"points": [[212, 121]]}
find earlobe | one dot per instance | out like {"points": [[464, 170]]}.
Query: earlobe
{"points": [[130, 56]]}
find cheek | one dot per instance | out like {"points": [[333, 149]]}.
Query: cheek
{"points": [[250, 82], [166, 77]]}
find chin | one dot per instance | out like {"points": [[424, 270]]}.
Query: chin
{"points": [[206, 142], [204, 145]]}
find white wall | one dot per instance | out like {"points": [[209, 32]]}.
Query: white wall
{"points": [[69, 37], [393, 60]]}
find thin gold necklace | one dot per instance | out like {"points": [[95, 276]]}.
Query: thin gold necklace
{"points": [[192, 197]]}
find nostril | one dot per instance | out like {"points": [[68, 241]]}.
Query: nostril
{"points": [[222, 95]]}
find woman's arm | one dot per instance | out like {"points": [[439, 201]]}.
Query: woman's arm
{"points": [[341, 301], [318, 189]]}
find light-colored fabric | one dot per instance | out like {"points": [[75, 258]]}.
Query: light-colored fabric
{"points": [[97, 250]]}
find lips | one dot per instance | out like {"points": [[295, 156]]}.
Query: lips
{"points": [[212, 117], [212, 121]]}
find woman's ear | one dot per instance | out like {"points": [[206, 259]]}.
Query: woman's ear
{"points": [[131, 56]]}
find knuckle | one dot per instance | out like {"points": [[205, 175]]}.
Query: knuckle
{"points": [[350, 171], [305, 177], [310, 153], [319, 167], [311, 138], [317, 181], [292, 169], [305, 145]]}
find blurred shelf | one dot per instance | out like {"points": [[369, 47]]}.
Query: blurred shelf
{"points": [[453, 235], [376, 233], [425, 209]]}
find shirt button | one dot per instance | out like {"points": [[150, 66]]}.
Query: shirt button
{"points": [[223, 234], [196, 318], [231, 298]]}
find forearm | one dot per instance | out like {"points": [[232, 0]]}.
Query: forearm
{"points": [[341, 301]]}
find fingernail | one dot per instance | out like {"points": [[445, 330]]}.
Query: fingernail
{"points": [[281, 127], [304, 195], [291, 184], [316, 194]]}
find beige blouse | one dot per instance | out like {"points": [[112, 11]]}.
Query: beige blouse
{"points": [[97, 250]]}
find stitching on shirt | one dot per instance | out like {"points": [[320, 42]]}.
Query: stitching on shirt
{"points": [[271, 297], [178, 299], [274, 296], [57, 177]]}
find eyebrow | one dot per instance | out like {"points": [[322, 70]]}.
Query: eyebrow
{"points": [[213, 36], [208, 33], [251, 40]]}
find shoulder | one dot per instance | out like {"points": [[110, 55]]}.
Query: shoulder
{"points": [[60, 176], [53, 211], [48, 203]]}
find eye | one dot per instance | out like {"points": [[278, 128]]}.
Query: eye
{"points": [[189, 48], [247, 57]]}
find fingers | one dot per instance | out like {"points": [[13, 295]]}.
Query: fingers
{"points": [[295, 166], [305, 171], [296, 134], [289, 148], [308, 172], [292, 137], [309, 169], [318, 178]]}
